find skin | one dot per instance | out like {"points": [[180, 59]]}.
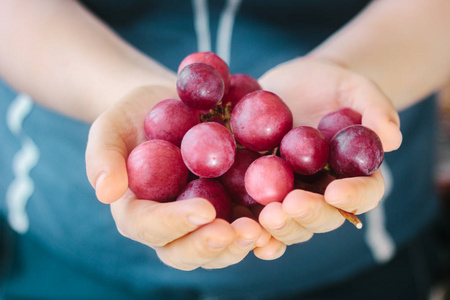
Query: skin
{"points": [[364, 66]]}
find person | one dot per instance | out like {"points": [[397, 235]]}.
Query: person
{"points": [[79, 79]]}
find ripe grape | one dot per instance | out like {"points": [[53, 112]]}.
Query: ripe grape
{"points": [[269, 179], [211, 59], [240, 85], [233, 179], [331, 123], [211, 190], [156, 171], [200, 86], [208, 149], [169, 120], [305, 149], [260, 120], [355, 151]]}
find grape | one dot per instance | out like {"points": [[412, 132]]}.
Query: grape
{"points": [[269, 179], [331, 123], [355, 151], [156, 171], [211, 190], [240, 85], [211, 59], [200, 86], [233, 179], [170, 120], [208, 149], [260, 120], [305, 149]]}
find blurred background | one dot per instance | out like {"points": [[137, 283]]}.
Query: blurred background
{"points": [[442, 292]]}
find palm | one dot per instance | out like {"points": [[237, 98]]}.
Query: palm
{"points": [[313, 88]]}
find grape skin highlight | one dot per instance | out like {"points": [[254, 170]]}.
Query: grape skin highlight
{"points": [[355, 151], [211, 59], [169, 120], [305, 149], [334, 121], [260, 120], [200, 86], [269, 179], [208, 149], [156, 171]]}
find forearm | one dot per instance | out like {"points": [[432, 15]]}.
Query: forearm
{"points": [[68, 60], [402, 45]]}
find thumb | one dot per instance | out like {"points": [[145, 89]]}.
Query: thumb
{"points": [[106, 154], [379, 114]]}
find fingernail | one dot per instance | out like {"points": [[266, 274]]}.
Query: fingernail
{"points": [[198, 220], [100, 179], [395, 125], [215, 244]]}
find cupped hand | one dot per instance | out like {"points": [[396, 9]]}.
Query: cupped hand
{"points": [[185, 234], [313, 88]]}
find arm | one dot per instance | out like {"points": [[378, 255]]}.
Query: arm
{"points": [[390, 56], [402, 45], [66, 59]]}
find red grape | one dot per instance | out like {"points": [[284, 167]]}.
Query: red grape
{"points": [[240, 85], [305, 149], [200, 86], [355, 151], [208, 149], [211, 59], [212, 191], [233, 179], [170, 120], [156, 171], [331, 123], [260, 120], [269, 179]]}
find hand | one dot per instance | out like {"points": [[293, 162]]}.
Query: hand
{"points": [[312, 88], [184, 234]]}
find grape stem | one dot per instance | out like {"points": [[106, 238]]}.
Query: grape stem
{"points": [[351, 218]]}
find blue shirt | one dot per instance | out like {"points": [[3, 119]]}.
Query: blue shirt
{"points": [[48, 200]]}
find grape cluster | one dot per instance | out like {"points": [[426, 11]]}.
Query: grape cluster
{"points": [[231, 142]]}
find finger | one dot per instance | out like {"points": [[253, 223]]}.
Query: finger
{"points": [[311, 211], [264, 238], [157, 224], [106, 154], [378, 112], [357, 194], [199, 247], [272, 250], [281, 226], [248, 232]]}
